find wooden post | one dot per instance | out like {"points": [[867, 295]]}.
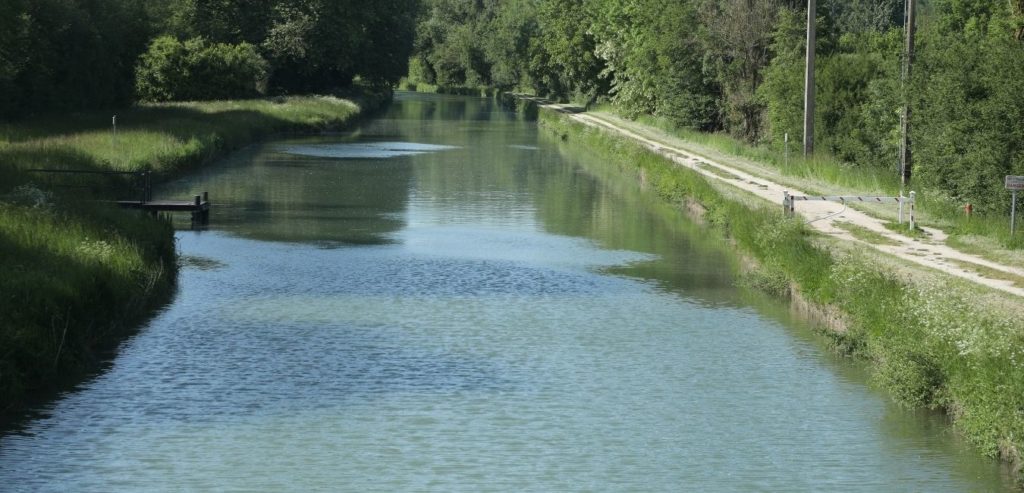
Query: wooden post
{"points": [[809, 80], [906, 156], [206, 208]]}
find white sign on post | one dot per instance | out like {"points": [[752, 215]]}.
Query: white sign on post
{"points": [[1014, 183]]}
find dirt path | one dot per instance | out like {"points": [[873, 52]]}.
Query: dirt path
{"points": [[822, 216]]}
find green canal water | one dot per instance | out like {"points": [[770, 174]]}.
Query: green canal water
{"points": [[446, 300]]}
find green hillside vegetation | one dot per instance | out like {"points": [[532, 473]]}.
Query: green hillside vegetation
{"points": [[188, 81], [736, 68]]}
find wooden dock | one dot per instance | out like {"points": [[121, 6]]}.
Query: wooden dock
{"points": [[199, 206], [141, 185]]}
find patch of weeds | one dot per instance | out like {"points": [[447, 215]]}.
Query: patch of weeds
{"points": [[989, 272], [904, 229], [717, 171], [844, 343], [987, 248], [865, 234], [767, 279]]}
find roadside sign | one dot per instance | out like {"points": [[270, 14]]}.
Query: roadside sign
{"points": [[1014, 183]]}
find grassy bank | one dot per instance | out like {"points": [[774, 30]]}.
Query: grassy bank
{"points": [[931, 340], [415, 86], [823, 173], [80, 274]]}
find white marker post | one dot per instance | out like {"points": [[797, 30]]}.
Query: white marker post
{"points": [[899, 217], [913, 202], [1014, 183], [785, 151], [113, 122]]}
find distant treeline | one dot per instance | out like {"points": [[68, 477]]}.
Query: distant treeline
{"points": [[66, 55], [737, 66]]}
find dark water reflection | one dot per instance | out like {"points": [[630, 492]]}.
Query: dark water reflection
{"points": [[500, 313]]}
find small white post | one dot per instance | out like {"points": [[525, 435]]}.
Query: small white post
{"points": [[785, 151], [899, 219], [913, 201], [786, 207], [113, 122]]}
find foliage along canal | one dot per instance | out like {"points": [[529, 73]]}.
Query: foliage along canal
{"points": [[444, 299]]}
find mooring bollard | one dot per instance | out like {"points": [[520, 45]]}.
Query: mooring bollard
{"points": [[206, 209]]}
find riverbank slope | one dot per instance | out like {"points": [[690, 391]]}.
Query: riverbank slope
{"points": [[933, 340], [80, 275]]}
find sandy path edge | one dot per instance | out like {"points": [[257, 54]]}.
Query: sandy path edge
{"points": [[821, 216]]}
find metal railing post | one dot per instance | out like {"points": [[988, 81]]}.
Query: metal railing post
{"points": [[913, 201]]}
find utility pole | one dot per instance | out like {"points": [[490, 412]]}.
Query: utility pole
{"points": [[906, 156], [809, 80]]}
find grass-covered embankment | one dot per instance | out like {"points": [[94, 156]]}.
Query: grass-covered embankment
{"points": [[418, 86], [932, 340], [989, 234], [79, 274]]}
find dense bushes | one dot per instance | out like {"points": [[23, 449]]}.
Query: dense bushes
{"points": [[68, 55], [176, 71], [73, 55], [969, 125], [738, 66]]}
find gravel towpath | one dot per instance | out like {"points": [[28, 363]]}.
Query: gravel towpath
{"points": [[822, 216]]}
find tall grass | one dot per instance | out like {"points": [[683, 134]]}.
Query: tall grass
{"points": [[822, 172], [75, 274], [163, 137], [932, 341], [418, 86], [821, 166], [78, 274]]}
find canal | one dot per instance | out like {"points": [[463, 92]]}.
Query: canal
{"points": [[445, 299]]}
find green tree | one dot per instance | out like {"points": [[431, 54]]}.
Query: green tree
{"points": [[654, 61], [219, 21], [782, 92], [969, 121], [75, 54], [507, 42], [736, 37], [563, 62], [194, 70], [14, 28]]}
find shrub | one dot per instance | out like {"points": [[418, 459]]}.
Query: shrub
{"points": [[172, 70]]}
